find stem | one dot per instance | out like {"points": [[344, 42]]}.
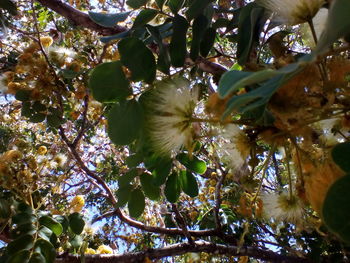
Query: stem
{"points": [[265, 166], [321, 66], [313, 32], [289, 173]]}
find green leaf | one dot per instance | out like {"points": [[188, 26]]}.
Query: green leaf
{"points": [[261, 95], [127, 178], [144, 17], [125, 121], [26, 109], [249, 27], [172, 188], [134, 160], [192, 163], [10, 6], [23, 242], [175, 5], [115, 37], [208, 41], [138, 58], [37, 258], [108, 20], [234, 80], [39, 107], [341, 156], [161, 171], [63, 220], [160, 3], [54, 119], [24, 208], [196, 8], [135, 4], [151, 190], [52, 224], [46, 249], [337, 25], [37, 117], [76, 242], [45, 233], [188, 183], [108, 82], [199, 26], [163, 62], [23, 218], [76, 223], [177, 46], [23, 229], [5, 209], [23, 95], [22, 256], [123, 194], [336, 208], [136, 203]]}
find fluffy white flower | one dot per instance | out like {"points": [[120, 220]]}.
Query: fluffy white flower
{"points": [[319, 23], [64, 51], [327, 135], [293, 11], [60, 159], [61, 53], [172, 105], [282, 207], [234, 146]]}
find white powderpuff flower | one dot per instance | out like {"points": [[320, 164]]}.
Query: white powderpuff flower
{"points": [[60, 159], [319, 23], [293, 11], [61, 53], [172, 106], [234, 146], [327, 135], [282, 207]]}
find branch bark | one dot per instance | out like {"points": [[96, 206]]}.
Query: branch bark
{"points": [[183, 248], [79, 18]]}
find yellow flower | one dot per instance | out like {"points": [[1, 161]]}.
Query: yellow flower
{"points": [[77, 203], [42, 150], [46, 41], [103, 249], [12, 155], [90, 251]]}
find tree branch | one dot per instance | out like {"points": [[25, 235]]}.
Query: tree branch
{"points": [[79, 18], [118, 212], [183, 248]]}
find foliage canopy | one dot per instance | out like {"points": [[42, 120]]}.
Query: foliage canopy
{"points": [[174, 131]]}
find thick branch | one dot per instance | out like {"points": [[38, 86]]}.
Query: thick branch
{"points": [[180, 249], [79, 18]]}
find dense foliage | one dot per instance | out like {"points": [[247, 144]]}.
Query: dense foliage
{"points": [[174, 131]]}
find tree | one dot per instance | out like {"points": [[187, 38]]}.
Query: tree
{"points": [[174, 131]]}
